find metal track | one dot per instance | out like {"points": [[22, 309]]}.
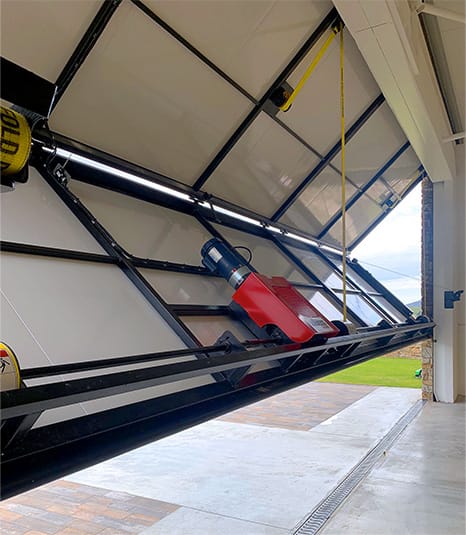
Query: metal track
{"points": [[316, 520]]}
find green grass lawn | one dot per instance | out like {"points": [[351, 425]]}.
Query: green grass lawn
{"points": [[382, 371]]}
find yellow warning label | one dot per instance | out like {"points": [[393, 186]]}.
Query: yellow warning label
{"points": [[10, 375], [15, 141]]}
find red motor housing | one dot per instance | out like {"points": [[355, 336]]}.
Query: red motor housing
{"points": [[274, 301]]}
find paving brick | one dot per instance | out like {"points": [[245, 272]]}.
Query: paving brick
{"points": [[112, 531], [8, 516], [85, 527], [301, 408], [115, 513], [37, 524], [114, 495], [116, 524], [25, 510], [143, 519], [13, 529], [55, 518]]}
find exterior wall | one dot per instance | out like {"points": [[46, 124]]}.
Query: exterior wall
{"points": [[449, 274], [460, 274], [427, 283]]}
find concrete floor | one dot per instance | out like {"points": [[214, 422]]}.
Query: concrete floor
{"points": [[262, 469], [246, 478], [418, 488]]}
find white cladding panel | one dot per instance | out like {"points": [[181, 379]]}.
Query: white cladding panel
{"points": [[209, 329], [145, 229], [317, 203], [263, 168], [377, 141], [41, 35], [144, 97], [250, 41], [266, 257], [34, 214], [315, 113], [61, 311], [82, 311], [181, 288]]}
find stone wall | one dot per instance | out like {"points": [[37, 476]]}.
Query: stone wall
{"points": [[411, 352]]}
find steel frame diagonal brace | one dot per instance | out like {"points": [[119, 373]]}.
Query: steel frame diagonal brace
{"points": [[364, 188], [109, 244], [350, 133]]}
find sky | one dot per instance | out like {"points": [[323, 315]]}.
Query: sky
{"points": [[395, 244]]}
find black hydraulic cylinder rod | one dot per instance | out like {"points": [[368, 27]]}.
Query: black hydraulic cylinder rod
{"points": [[88, 365]]}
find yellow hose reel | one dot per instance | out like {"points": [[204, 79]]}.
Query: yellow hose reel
{"points": [[15, 147], [10, 374]]}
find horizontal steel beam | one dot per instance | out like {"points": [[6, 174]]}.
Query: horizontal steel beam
{"points": [[44, 397], [56, 450]]}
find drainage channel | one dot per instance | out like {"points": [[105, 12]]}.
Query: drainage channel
{"points": [[316, 520]]}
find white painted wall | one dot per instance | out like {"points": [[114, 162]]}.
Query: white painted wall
{"points": [[449, 274]]}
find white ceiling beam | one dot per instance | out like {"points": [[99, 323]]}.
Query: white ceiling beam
{"points": [[455, 137], [390, 38], [429, 9]]}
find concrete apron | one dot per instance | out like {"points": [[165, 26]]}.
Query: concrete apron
{"points": [[234, 478]]}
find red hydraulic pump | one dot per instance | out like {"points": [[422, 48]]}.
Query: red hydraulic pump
{"points": [[268, 301]]}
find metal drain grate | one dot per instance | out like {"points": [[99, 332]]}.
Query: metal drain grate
{"points": [[314, 522]]}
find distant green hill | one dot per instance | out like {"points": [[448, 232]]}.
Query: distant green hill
{"points": [[415, 307]]}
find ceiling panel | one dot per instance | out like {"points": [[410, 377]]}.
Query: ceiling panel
{"points": [[266, 257], [250, 41], [358, 219], [315, 114], [402, 172], [142, 96], [318, 299], [142, 228], [318, 203], [320, 268], [34, 214], [184, 288], [42, 35], [377, 141], [263, 168]]}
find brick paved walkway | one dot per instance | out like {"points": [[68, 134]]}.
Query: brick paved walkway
{"points": [[66, 508], [300, 409]]}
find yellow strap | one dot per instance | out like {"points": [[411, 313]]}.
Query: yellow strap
{"points": [[343, 169], [312, 66]]}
